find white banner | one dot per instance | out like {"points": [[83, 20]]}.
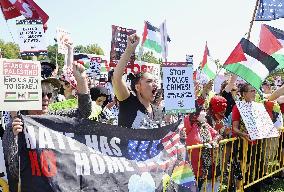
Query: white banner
{"points": [[257, 121], [178, 89], [31, 37], [20, 82]]}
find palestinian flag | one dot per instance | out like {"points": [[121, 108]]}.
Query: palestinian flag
{"points": [[152, 38], [208, 66], [250, 63], [10, 96], [272, 42], [33, 95]]}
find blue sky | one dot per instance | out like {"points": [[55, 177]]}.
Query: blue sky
{"points": [[190, 23]]}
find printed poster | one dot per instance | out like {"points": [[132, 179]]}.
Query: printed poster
{"points": [[31, 37], [178, 87], [97, 69], [119, 44], [20, 82], [257, 121]]}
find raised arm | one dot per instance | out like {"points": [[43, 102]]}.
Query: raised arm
{"points": [[70, 53], [276, 94], [84, 99], [81, 78], [119, 85], [231, 83]]}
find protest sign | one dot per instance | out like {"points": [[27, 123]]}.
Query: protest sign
{"points": [[62, 37], [31, 37], [21, 85], [97, 69], [83, 155], [178, 87], [119, 43], [257, 121], [141, 66]]}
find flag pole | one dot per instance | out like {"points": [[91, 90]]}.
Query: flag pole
{"points": [[253, 17]]}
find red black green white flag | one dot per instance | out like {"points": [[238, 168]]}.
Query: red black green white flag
{"points": [[250, 63], [272, 42], [152, 38], [208, 66]]}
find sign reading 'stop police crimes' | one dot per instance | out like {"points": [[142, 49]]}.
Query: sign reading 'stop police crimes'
{"points": [[178, 87]]}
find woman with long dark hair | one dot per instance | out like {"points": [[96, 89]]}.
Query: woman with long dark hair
{"points": [[135, 108]]}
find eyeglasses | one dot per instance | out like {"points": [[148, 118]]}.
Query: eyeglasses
{"points": [[49, 95], [234, 89]]}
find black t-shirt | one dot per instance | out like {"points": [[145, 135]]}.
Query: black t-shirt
{"points": [[133, 114], [230, 102]]}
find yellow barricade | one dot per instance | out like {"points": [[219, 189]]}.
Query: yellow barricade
{"points": [[263, 159], [236, 164], [4, 185]]}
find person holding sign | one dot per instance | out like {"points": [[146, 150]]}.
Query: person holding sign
{"points": [[135, 109], [248, 94], [13, 129]]}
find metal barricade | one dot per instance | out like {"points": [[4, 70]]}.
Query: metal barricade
{"points": [[263, 159], [3, 185], [237, 163]]}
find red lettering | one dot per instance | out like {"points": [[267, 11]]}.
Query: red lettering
{"points": [[48, 163], [107, 65], [144, 68], [150, 69], [34, 163], [137, 67]]}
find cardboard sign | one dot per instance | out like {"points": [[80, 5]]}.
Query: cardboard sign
{"points": [[31, 37], [62, 37], [178, 89], [20, 82], [257, 120]]}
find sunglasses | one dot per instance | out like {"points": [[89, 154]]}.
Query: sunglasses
{"points": [[49, 95], [234, 89]]}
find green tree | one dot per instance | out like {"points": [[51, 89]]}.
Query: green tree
{"points": [[54, 57], [9, 50], [150, 58], [90, 49], [79, 49], [95, 49]]}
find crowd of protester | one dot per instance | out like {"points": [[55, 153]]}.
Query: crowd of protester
{"points": [[141, 106]]}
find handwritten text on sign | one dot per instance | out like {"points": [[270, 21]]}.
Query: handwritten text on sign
{"points": [[31, 37], [178, 89]]}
